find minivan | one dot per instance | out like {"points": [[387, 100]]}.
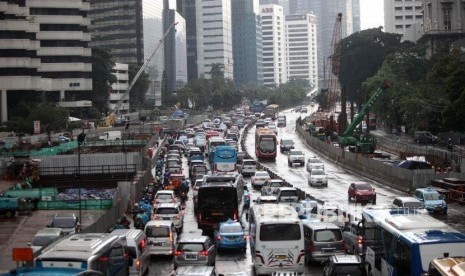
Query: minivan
{"points": [[424, 137], [135, 245], [322, 240], [161, 237], [45, 237]]}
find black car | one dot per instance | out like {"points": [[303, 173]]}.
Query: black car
{"points": [[286, 145]]}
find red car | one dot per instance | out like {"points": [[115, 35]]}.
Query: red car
{"points": [[362, 192]]}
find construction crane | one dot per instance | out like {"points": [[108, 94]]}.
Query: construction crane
{"points": [[142, 68], [334, 62], [364, 143]]}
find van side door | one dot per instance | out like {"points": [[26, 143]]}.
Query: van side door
{"points": [[118, 265]]}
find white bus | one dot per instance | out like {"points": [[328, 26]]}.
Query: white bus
{"points": [[276, 239]]}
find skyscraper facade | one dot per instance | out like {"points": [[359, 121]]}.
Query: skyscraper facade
{"points": [[175, 50], [301, 54], [187, 9], [48, 57], [214, 37], [247, 43], [118, 26], [274, 45]]}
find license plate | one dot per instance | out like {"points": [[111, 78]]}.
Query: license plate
{"points": [[217, 214], [329, 250], [280, 257], [167, 218], [232, 238], [190, 256]]}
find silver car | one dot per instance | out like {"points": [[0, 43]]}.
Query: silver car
{"points": [[195, 250], [170, 211]]}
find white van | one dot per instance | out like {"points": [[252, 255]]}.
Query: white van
{"points": [[45, 237], [276, 239], [161, 237], [135, 245], [110, 135]]}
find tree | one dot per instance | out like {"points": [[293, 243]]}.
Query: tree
{"points": [[138, 91], [102, 78], [362, 54], [51, 117]]}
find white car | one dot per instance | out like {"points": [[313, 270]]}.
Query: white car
{"points": [[273, 128], [259, 178], [317, 177], [164, 196], [170, 211], [315, 163], [296, 156]]}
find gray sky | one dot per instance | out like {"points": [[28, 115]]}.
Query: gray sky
{"points": [[371, 13]]}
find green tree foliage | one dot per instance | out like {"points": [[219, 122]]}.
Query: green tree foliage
{"points": [[102, 78], [51, 118], [138, 91], [362, 54]]}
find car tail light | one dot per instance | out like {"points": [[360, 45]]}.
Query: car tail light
{"points": [[204, 253], [244, 237], [178, 253], [360, 240], [171, 237], [138, 264], [235, 216], [104, 259], [218, 238], [312, 247]]}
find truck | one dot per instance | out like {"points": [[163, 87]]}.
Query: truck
{"points": [[110, 135], [363, 142], [10, 205]]}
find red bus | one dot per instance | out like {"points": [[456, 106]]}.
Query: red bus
{"points": [[265, 143]]}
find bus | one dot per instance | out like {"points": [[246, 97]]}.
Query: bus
{"points": [[271, 111], [225, 159], [276, 239], [212, 143], [406, 241], [218, 199], [265, 143]]}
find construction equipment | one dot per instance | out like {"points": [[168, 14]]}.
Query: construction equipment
{"points": [[125, 96], [364, 142]]}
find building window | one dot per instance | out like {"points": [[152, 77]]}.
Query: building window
{"points": [[447, 10]]}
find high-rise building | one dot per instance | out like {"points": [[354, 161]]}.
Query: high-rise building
{"points": [[403, 17], [326, 13], [301, 56], [45, 53], [214, 37], [187, 9], [247, 43], [175, 50], [274, 45], [118, 26], [121, 72]]}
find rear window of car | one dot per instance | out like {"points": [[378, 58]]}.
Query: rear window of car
{"points": [[249, 163], [262, 174], [154, 231], [288, 193], [193, 247], [164, 196], [363, 187], [231, 228], [167, 211], [328, 235]]}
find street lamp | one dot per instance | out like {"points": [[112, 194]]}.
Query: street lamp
{"points": [[80, 139], [125, 150]]}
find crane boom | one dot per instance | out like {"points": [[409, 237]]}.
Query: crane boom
{"points": [[142, 68]]}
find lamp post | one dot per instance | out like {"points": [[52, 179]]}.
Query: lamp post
{"points": [[125, 150], [80, 139]]}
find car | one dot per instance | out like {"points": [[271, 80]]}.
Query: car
{"points": [[266, 199], [315, 163], [303, 109], [247, 167], [271, 185], [341, 264], [307, 209], [135, 245], [288, 195], [194, 250], [361, 192], [321, 241], [286, 145], [298, 109], [267, 121], [45, 237], [230, 235], [195, 191], [67, 222], [273, 128], [233, 136], [195, 270], [259, 178], [317, 178], [170, 211], [63, 139], [246, 197], [260, 123], [431, 199], [164, 196], [161, 237], [409, 202], [296, 156]]}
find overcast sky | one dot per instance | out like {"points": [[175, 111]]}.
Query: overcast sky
{"points": [[371, 13]]}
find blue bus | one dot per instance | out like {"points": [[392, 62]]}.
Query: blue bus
{"points": [[225, 159], [406, 241]]}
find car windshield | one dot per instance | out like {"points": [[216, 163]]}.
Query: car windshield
{"points": [[191, 247], [432, 196], [164, 196], [315, 161], [363, 187], [297, 152], [167, 211], [276, 184], [231, 228], [318, 172], [267, 145], [64, 222], [262, 174], [287, 142]]}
